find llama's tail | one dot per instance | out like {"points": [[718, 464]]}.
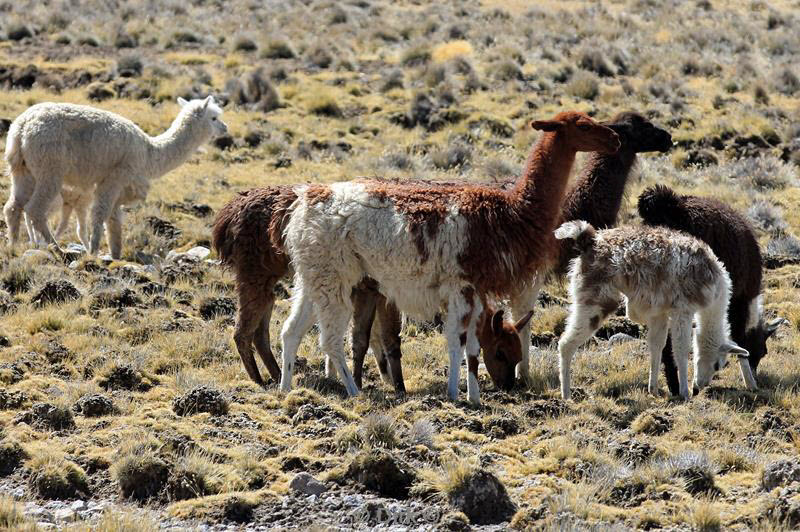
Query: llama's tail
{"points": [[581, 232], [657, 205], [14, 158], [222, 238]]}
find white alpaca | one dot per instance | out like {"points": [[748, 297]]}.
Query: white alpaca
{"points": [[54, 145], [429, 248], [667, 277]]}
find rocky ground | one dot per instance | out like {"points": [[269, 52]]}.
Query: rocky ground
{"points": [[123, 402]]}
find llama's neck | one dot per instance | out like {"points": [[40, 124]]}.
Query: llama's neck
{"points": [[597, 194], [173, 147], [544, 180], [712, 323]]}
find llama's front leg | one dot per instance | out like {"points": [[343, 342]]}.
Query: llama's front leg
{"points": [[680, 329], [364, 300], [656, 338], [299, 322], [252, 306], [473, 349], [456, 308], [521, 304], [114, 232], [333, 320], [584, 319], [105, 199]]}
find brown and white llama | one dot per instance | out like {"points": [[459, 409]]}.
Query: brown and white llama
{"points": [[667, 278], [733, 240], [430, 248], [596, 197], [248, 237]]}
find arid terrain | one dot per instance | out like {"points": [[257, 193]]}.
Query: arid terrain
{"points": [[124, 404]]}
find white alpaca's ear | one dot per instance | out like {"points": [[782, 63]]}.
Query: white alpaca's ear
{"points": [[207, 101], [182, 102]]}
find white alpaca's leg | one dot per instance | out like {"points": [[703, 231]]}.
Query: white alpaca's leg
{"points": [[521, 304], [656, 340], [82, 225], [22, 187], [583, 321], [299, 322], [680, 329], [105, 198], [114, 232], [66, 212], [38, 207]]}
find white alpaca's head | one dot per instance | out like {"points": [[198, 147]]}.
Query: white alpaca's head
{"points": [[204, 113]]}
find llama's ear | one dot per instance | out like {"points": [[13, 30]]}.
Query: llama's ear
{"points": [[182, 102], [497, 323], [207, 101], [733, 349], [774, 324], [523, 321], [547, 125]]}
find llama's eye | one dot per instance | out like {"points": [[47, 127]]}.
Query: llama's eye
{"points": [[213, 118]]}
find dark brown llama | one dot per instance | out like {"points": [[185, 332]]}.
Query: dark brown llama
{"points": [[732, 239]]}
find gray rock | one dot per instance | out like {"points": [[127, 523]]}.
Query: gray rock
{"points": [[620, 338], [305, 483], [780, 473], [483, 498], [64, 514], [78, 506], [199, 252]]}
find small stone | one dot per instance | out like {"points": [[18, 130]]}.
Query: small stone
{"points": [[78, 506], [199, 252], [483, 498], [64, 514], [620, 338], [306, 484]]}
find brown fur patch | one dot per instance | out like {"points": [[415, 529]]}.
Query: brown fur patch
{"points": [[318, 194], [472, 365]]}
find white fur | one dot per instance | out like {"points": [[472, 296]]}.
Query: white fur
{"points": [[95, 152], [634, 265], [334, 244]]}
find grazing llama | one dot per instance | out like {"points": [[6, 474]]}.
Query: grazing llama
{"points": [[430, 248], [53, 145], [731, 238], [667, 278], [248, 237]]}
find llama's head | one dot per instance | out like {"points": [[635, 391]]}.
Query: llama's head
{"points": [[758, 331], [637, 134], [709, 359], [580, 132], [205, 115], [502, 349]]}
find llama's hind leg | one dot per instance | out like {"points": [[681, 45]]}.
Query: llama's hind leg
{"points": [[38, 207], [63, 223], [262, 341], [22, 187], [105, 199], [681, 334], [390, 323], [364, 302], [251, 310], [114, 231], [656, 338]]}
